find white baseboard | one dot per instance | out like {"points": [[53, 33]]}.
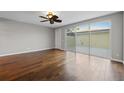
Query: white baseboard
{"points": [[117, 60], [2, 55]]}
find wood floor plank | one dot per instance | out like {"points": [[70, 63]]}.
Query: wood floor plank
{"points": [[59, 65]]}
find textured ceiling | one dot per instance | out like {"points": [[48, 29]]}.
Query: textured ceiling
{"points": [[68, 17]]}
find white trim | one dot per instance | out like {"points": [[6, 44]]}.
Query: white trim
{"points": [[2, 55], [117, 60]]}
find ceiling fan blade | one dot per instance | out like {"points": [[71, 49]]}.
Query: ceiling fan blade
{"points": [[43, 17], [55, 17], [59, 21], [44, 20]]}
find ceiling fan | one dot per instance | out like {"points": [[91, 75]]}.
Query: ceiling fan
{"points": [[51, 17]]}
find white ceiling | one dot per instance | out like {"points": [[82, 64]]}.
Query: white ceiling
{"points": [[68, 17]]}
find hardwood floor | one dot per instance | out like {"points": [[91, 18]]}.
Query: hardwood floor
{"points": [[58, 65]]}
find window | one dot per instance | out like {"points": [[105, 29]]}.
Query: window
{"points": [[100, 25]]}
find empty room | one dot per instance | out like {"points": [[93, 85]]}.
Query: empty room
{"points": [[61, 46]]}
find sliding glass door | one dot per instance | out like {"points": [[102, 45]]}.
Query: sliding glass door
{"points": [[100, 39], [83, 40], [70, 46], [92, 39], [70, 40]]}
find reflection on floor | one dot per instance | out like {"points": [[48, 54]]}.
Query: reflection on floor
{"points": [[95, 68], [58, 65], [101, 52]]}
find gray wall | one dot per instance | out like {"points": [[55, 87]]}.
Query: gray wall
{"points": [[116, 37], [123, 37], [17, 37], [60, 39]]}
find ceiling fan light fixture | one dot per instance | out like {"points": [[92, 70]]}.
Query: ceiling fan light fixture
{"points": [[53, 12], [51, 17]]}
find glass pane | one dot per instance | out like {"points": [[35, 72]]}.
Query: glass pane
{"points": [[83, 28], [70, 41], [100, 25], [99, 39], [82, 42]]}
